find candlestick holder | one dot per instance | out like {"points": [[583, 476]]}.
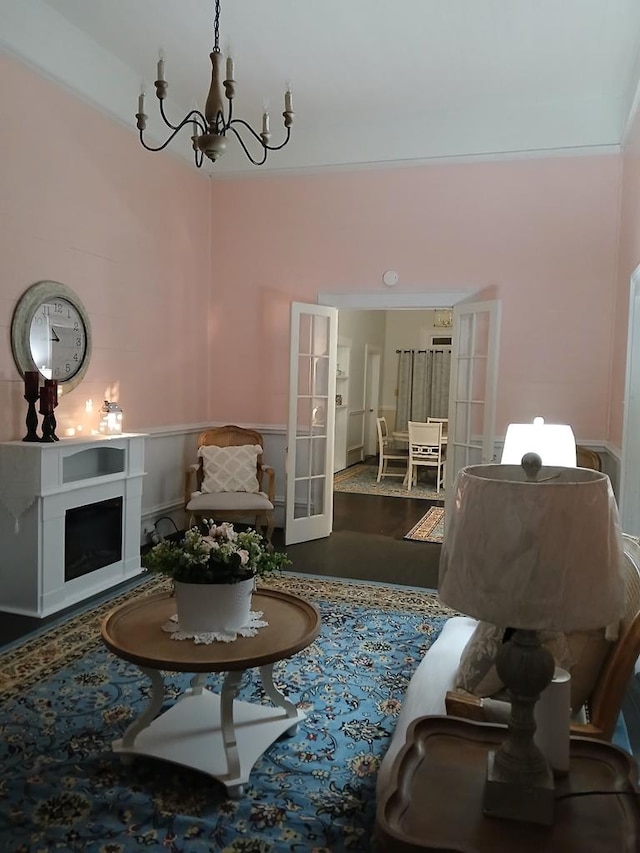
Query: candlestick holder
{"points": [[53, 384], [46, 410], [31, 395]]}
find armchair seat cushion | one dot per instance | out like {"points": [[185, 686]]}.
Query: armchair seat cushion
{"points": [[228, 501]]}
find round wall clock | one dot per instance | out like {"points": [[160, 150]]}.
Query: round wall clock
{"points": [[51, 333]]}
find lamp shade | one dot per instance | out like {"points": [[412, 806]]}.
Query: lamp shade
{"points": [[541, 554], [554, 443]]}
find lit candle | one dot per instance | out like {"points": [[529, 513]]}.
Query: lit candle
{"points": [[31, 384], [287, 100], [229, 68], [161, 69]]}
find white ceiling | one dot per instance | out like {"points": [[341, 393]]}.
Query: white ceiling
{"points": [[401, 81]]}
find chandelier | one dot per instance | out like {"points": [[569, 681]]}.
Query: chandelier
{"points": [[209, 130]]}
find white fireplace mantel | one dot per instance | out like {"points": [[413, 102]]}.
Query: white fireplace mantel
{"points": [[39, 483]]}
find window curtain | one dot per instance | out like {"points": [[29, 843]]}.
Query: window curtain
{"points": [[423, 385]]}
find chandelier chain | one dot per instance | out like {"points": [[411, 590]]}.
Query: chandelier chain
{"points": [[216, 29]]}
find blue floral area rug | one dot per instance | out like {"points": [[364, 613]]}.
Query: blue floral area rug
{"points": [[64, 698], [361, 479]]}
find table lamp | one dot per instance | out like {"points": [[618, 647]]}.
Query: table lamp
{"points": [[533, 549], [554, 443]]}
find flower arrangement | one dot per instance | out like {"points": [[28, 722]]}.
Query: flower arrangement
{"points": [[221, 555]]}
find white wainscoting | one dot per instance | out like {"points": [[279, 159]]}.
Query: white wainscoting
{"points": [[168, 454]]}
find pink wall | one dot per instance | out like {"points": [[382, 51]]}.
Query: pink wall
{"points": [[84, 204], [162, 273], [541, 235], [629, 258]]}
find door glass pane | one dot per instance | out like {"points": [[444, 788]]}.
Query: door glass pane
{"points": [[317, 496], [463, 379], [465, 340], [479, 379], [481, 333], [320, 336], [305, 334], [320, 382], [302, 504], [319, 416], [303, 450], [304, 415], [318, 453], [304, 375]]}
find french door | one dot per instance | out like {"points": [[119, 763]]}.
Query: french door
{"points": [[311, 425]]}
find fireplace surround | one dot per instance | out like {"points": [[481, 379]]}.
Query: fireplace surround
{"points": [[69, 520]]}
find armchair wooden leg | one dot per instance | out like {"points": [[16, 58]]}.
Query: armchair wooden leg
{"points": [[270, 526]]}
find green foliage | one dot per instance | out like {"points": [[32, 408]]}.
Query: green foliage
{"points": [[221, 555]]}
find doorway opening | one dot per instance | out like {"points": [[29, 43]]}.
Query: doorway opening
{"points": [[372, 345]]}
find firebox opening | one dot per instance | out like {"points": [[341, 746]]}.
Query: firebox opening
{"points": [[92, 537]]}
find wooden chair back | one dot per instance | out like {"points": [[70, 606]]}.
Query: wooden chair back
{"points": [[606, 700], [387, 452], [425, 440], [425, 449]]}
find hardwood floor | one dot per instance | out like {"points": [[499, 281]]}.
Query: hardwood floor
{"points": [[367, 543]]}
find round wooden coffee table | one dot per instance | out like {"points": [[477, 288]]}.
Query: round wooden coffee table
{"points": [[213, 733]]}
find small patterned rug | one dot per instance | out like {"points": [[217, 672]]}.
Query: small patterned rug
{"points": [[361, 479], [430, 528]]}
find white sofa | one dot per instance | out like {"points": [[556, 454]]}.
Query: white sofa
{"points": [[428, 686]]}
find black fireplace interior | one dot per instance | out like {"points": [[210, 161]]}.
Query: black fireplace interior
{"points": [[92, 537]]}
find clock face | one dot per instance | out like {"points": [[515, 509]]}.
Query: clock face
{"points": [[58, 339], [50, 332]]}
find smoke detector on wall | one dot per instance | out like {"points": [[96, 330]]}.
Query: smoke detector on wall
{"points": [[390, 278]]}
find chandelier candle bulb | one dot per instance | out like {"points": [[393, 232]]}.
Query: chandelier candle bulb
{"points": [[265, 122], [161, 69], [287, 101], [229, 68], [141, 102]]}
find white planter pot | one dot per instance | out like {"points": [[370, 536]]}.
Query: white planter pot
{"points": [[213, 607]]}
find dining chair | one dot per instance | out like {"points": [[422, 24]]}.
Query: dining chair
{"points": [[388, 452], [443, 421], [425, 451]]}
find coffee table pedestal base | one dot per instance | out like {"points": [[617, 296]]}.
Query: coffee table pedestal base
{"points": [[191, 734]]}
